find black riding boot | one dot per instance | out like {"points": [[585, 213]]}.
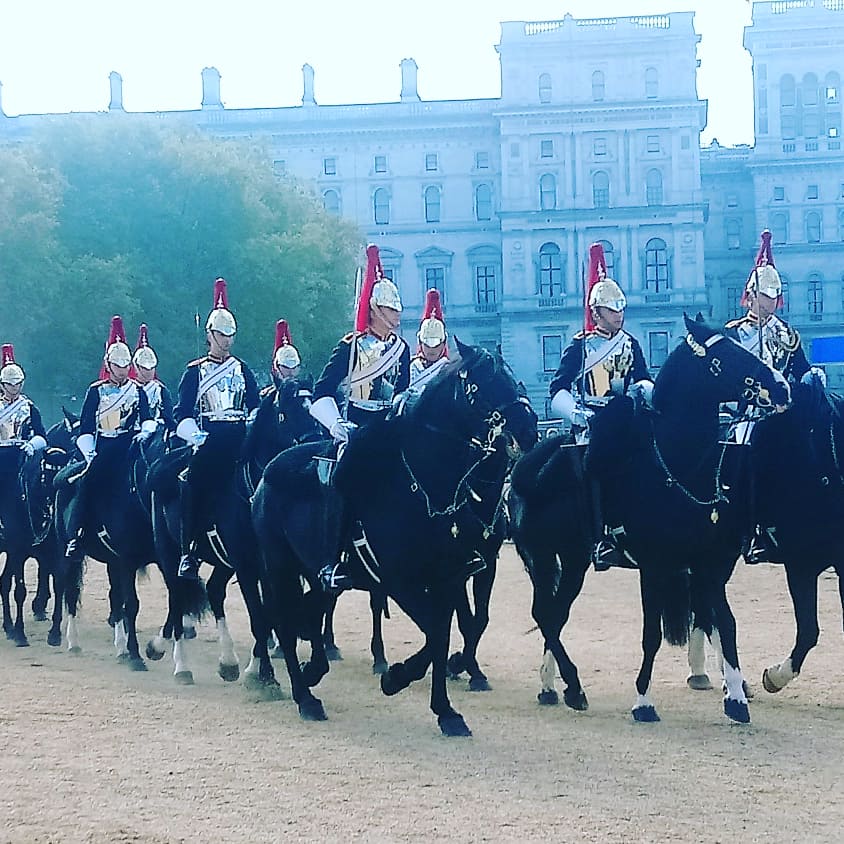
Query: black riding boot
{"points": [[189, 562], [761, 548], [335, 576], [605, 553]]}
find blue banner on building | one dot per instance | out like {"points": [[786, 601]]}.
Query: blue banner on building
{"points": [[828, 350]]}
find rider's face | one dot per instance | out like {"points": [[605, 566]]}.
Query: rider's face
{"points": [[119, 374], [144, 375], [288, 372], [433, 353], [761, 305], [608, 320], [383, 320], [219, 345], [11, 391]]}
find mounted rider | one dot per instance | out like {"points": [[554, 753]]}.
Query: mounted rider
{"points": [[144, 363], [114, 412], [763, 333], [286, 362], [216, 394], [432, 352], [600, 361], [367, 370]]}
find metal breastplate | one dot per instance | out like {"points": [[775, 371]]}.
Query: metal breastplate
{"points": [[153, 391], [776, 344], [614, 367], [115, 408], [12, 427], [223, 399], [378, 390]]}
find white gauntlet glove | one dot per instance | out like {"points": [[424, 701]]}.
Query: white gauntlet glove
{"points": [[85, 444]]}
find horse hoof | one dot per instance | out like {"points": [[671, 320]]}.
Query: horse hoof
{"points": [[123, 657], [333, 654], [548, 697], [153, 653], [39, 615], [454, 726], [266, 690], [479, 684], [394, 680], [21, 641], [184, 678], [311, 675], [699, 682], [748, 691], [380, 667], [54, 639], [456, 665], [768, 684], [75, 650], [227, 672], [137, 664], [575, 699], [189, 633], [277, 653], [645, 715], [312, 710], [736, 711]]}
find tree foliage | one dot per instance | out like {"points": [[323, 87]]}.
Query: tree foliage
{"points": [[102, 215]]}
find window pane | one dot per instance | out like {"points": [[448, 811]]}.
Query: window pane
{"points": [[552, 351], [380, 163], [597, 86], [813, 228], [547, 192], [434, 278], [657, 348], [329, 166], [601, 190], [483, 202], [331, 201], [485, 285], [431, 161], [550, 270], [656, 266], [432, 205], [545, 88], [482, 160], [381, 201]]}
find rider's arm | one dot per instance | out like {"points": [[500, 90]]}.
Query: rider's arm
{"points": [[639, 372], [88, 417], [403, 380], [337, 368], [570, 365], [167, 409], [251, 399], [188, 386], [38, 429]]}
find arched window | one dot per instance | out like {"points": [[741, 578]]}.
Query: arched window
{"points": [[483, 202], [653, 187], [609, 257], [814, 294], [810, 90], [779, 229], [733, 234], [656, 266], [651, 83], [601, 189], [432, 204], [331, 201], [787, 91], [550, 270], [598, 86], [813, 227], [381, 204], [547, 192], [545, 87]]}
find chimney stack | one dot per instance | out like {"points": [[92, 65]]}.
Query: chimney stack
{"points": [[211, 88], [115, 82], [409, 93], [308, 82]]}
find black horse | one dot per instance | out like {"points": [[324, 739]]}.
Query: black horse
{"points": [[679, 493], [282, 421], [118, 533], [425, 490], [798, 458], [25, 529]]}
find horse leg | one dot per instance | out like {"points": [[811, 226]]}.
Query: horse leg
{"points": [[313, 616], [131, 607], [260, 668], [735, 700], [73, 590], [54, 634], [465, 622], [803, 586], [450, 721], [42, 592], [644, 710], [332, 652], [18, 632], [228, 665], [377, 605], [698, 679], [401, 674], [5, 594], [482, 584]]}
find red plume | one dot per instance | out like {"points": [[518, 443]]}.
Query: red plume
{"points": [[764, 256], [597, 272], [765, 253], [433, 305], [143, 340], [221, 295], [282, 338], [8, 355], [374, 272], [116, 334]]}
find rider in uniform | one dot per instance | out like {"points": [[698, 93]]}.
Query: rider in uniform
{"points": [[602, 360], [763, 333], [432, 352], [115, 411], [286, 362], [144, 363], [367, 370], [216, 394]]}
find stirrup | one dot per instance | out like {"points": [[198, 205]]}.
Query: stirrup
{"points": [[606, 555], [188, 568], [333, 579]]}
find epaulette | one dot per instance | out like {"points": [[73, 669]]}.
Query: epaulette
{"points": [[347, 338], [266, 391], [580, 335], [198, 361], [99, 382], [735, 323]]}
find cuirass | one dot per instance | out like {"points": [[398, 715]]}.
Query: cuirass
{"points": [[115, 407], [776, 345], [153, 391], [227, 393], [368, 350], [615, 367], [11, 427]]}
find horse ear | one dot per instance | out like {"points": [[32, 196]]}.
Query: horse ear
{"points": [[462, 348], [698, 328]]}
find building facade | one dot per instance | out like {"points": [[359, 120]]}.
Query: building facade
{"points": [[595, 137]]}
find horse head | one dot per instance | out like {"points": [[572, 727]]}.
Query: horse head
{"points": [[709, 368], [492, 406]]}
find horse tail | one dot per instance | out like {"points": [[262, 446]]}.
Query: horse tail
{"points": [[194, 598], [676, 608]]}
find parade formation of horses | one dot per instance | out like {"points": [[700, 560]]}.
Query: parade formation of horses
{"points": [[676, 490], [423, 516]]}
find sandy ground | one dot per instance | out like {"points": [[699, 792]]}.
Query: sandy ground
{"points": [[92, 752]]}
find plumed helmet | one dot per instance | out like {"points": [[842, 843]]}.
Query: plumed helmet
{"points": [[284, 354], [10, 372], [432, 328], [117, 352], [603, 292], [144, 355], [221, 318], [375, 289], [764, 277]]}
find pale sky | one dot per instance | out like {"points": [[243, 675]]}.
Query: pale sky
{"points": [[55, 55]]}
